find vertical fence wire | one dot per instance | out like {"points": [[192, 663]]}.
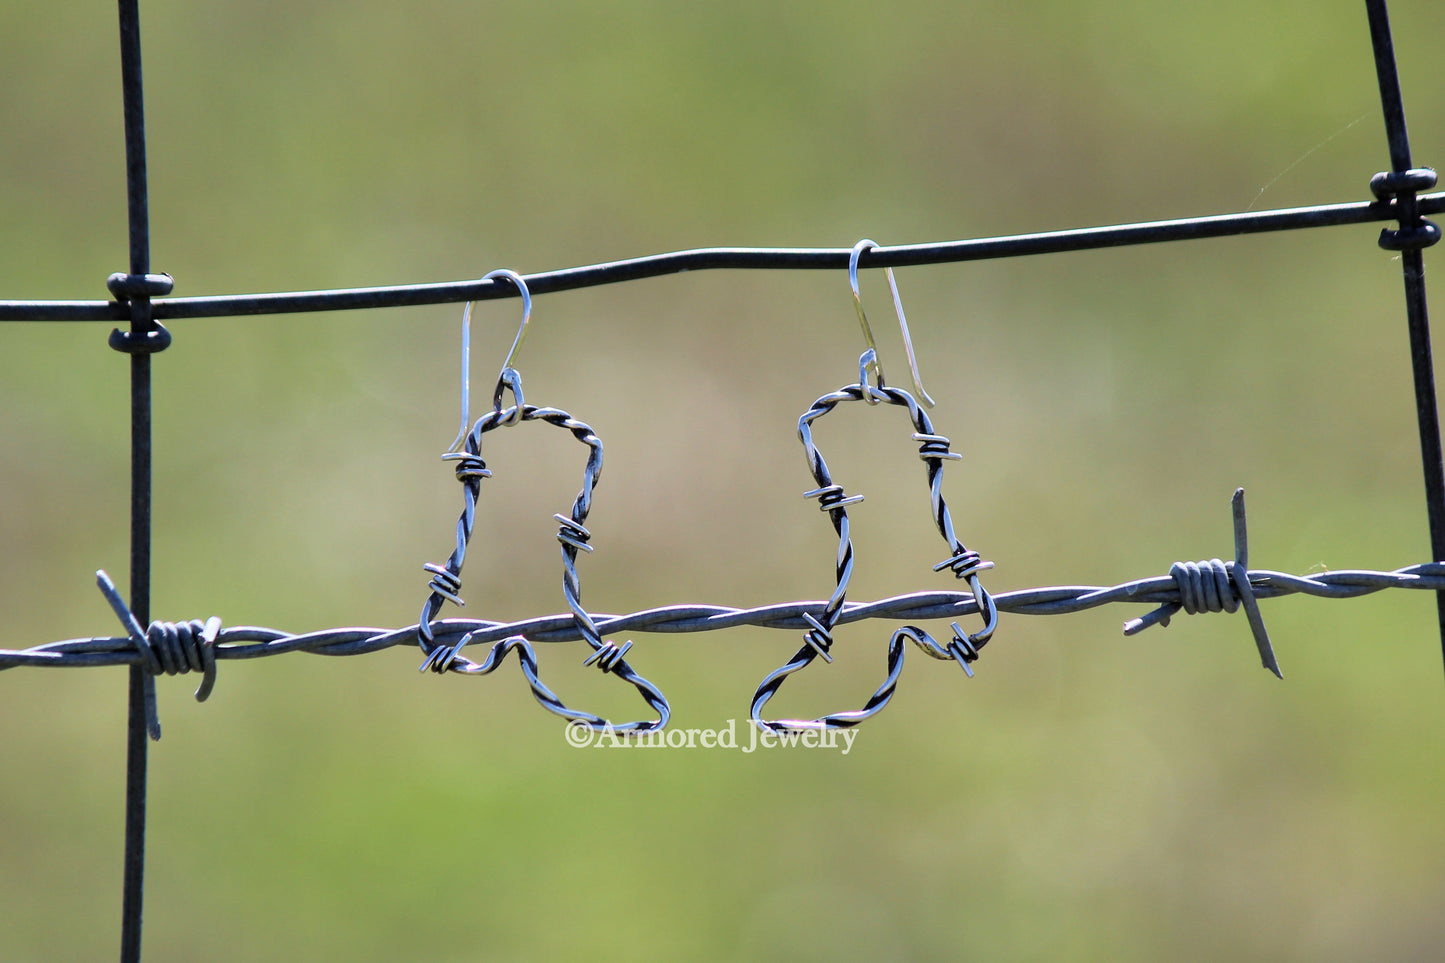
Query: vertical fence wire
{"points": [[1412, 264], [141, 681]]}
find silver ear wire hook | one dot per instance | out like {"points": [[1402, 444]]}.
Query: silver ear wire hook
{"points": [[869, 358], [508, 377]]}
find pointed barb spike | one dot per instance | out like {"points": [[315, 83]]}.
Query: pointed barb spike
{"points": [[1241, 529], [1239, 575], [117, 604], [1159, 616]]}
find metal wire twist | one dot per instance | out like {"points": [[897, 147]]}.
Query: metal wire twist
{"points": [[173, 648], [818, 639], [574, 537]]}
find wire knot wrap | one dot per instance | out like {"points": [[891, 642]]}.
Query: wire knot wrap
{"points": [[511, 380], [818, 637], [470, 467], [831, 497], [1389, 184], [1424, 234], [962, 649], [574, 533], [608, 658], [445, 582], [1203, 587], [1216, 586], [129, 287], [964, 564], [1414, 232], [128, 342], [180, 647], [170, 647], [934, 446]]}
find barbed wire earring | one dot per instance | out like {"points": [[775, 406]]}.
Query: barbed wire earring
{"points": [[446, 583], [965, 564]]}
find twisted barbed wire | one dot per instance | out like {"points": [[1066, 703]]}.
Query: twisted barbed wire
{"points": [[253, 642], [574, 537], [965, 564], [1168, 593]]}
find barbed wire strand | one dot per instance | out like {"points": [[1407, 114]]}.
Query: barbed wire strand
{"points": [[254, 642]]}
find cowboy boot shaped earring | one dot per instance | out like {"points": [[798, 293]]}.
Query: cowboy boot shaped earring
{"points": [[933, 449], [573, 535]]}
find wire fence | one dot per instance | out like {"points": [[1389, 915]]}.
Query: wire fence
{"points": [[154, 648]]}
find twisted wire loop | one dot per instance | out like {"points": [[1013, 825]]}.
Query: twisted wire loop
{"points": [[173, 648], [1203, 587], [934, 450], [1217, 586], [129, 287], [574, 537], [1415, 232]]}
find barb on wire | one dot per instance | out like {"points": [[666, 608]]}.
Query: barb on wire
{"points": [[169, 647], [1215, 586]]}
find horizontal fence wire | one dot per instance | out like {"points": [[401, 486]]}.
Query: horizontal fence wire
{"points": [[737, 258], [252, 642]]}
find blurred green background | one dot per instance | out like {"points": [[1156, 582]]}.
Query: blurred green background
{"points": [[1086, 797]]}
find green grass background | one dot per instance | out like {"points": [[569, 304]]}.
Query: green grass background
{"points": [[1086, 797]]}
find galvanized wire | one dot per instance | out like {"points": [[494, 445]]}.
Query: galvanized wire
{"points": [[253, 642]]}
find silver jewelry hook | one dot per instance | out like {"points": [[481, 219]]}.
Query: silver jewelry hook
{"points": [[521, 286], [869, 358]]}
